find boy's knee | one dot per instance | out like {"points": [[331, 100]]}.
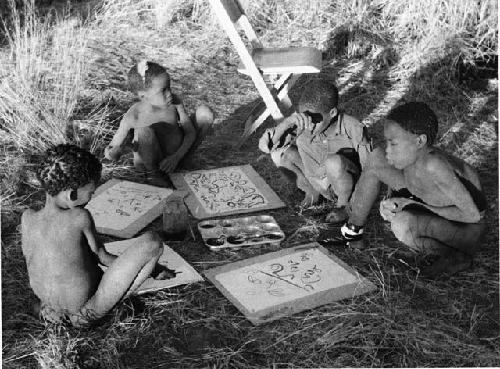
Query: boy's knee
{"points": [[151, 242], [334, 165], [289, 157], [204, 115], [284, 158], [144, 135]]}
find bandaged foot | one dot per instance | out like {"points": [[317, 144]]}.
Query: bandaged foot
{"points": [[347, 235]]}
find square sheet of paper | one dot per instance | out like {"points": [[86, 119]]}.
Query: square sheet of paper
{"points": [[226, 191], [172, 260], [282, 283], [123, 208]]}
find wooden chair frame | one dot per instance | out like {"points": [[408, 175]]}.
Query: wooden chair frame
{"points": [[230, 13]]}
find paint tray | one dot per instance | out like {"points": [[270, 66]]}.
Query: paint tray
{"points": [[246, 231]]}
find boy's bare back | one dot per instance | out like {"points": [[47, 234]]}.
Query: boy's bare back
{"points": [[435, 178], [62, 269]]}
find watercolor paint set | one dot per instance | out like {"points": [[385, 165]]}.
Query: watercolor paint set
{"points": [[239, 232]]}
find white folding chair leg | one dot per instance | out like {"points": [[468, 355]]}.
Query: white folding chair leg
{"points": [[283, 85], [281, 81]]}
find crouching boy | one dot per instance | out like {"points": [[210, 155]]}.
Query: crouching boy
{"points": [[436, 205], [320, 147]]}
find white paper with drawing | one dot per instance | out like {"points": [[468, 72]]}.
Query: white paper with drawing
{"points": [[186, 274], [226, 191], [124, 203], [284, 279]]}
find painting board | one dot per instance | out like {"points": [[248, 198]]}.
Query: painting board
{"points": [[172, 260], [282, 283], [226, 191], [123, 208]]}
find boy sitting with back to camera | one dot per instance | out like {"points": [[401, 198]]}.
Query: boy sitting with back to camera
{"points": [[436, 205], [164, 134], [321, 148], [62, 249]]}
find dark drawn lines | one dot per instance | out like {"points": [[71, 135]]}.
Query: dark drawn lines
{"points": [[294, 272], [224, 190], [125, 202]]}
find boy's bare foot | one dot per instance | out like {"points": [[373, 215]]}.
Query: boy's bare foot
{"points": [[159, 180], [337, 215], [449, 264], [310, 199]]}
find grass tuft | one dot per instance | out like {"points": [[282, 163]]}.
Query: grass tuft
{"points": [[43, 78]]}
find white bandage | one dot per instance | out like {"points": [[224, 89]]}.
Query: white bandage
{"points": [[350, 234]]}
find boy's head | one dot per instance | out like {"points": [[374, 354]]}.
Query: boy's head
{"points": [[147, 78], [69, 172], [408, 129], [319, 101]]}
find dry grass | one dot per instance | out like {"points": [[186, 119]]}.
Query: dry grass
{"points": [[43, 78], [63, 72]]}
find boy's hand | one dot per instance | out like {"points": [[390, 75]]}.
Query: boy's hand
{"points": [[389, 208], [303, 122], [161, 272], [266, 141], [169, 164], [112, 153]]}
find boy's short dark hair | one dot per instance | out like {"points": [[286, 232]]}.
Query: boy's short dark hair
{"points": [[138, 82], [417, 118], [320, 95], [66, 167]]}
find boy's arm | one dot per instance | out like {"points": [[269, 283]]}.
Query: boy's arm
{"points": [[93, 241], [25, 245], [113, 150], [358, 133], [463, 209], [289, 122], [170, 162]]}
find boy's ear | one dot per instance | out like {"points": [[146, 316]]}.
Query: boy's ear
{"points": [[73, 195], [421, 141]]}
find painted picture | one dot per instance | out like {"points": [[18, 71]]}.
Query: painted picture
{"points": [[281, 283], [225, 191], [122, 208]]}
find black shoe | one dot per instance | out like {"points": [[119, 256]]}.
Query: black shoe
{"points": [[334, 237]]}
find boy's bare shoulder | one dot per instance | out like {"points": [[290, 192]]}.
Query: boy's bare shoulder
{"points": [[132, 114], [75, 218], [28, 213], [80, 215], [438, 162], [351, 119], [27, 216]]}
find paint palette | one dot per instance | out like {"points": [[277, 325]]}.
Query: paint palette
{"points": [[240, 232]]}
